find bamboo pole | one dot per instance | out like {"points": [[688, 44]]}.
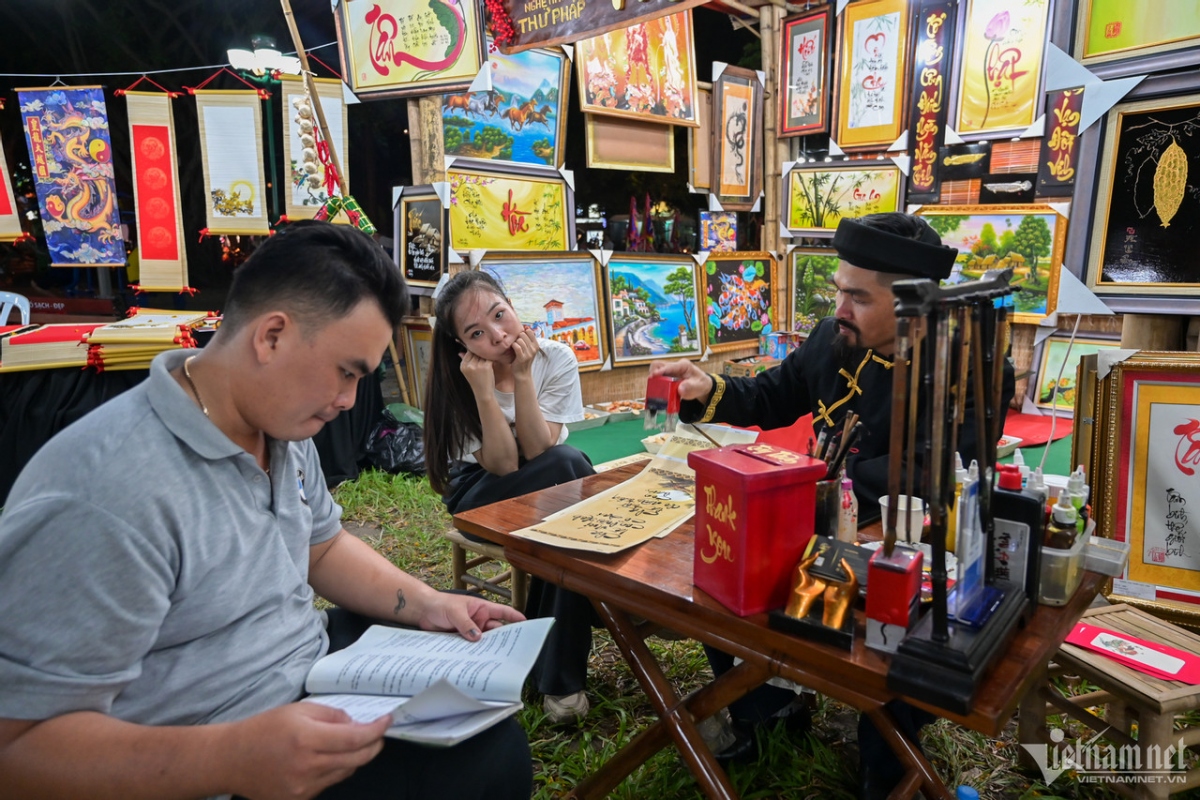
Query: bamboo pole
{"points": [[736, 6], [772, 159]]}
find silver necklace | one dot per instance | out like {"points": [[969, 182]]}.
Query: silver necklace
{"points": [[188, 374]]}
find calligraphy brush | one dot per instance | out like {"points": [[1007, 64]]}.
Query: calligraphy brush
{"points": [[700, 431], [847, 442]]}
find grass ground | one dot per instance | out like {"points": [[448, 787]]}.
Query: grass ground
{"points": [[402, 518]]}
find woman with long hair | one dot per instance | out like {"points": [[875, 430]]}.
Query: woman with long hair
{"points": [[497, 403]]}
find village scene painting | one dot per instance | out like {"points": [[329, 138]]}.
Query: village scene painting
{"points": [[559, 299], [655, 308], [520, 120], [739, 300]]}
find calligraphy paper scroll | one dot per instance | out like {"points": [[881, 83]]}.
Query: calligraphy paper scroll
{"points": [[162, 257], [231, 152], [1058, 156], [66, 129], [10, 220], [301, 200], [872, 63], [931, 72]]}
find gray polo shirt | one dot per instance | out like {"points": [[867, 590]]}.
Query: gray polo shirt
{"points": [[150, 570]]}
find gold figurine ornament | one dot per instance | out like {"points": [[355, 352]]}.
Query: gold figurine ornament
{"points": [[805, 589], [839, 597]]}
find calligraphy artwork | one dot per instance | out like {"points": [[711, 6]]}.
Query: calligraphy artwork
{"points": [[231, 138], [522, 120], [70, 153], [1148, 200], [1029, 238], [420, 241], [417, 335], [718, 231], [1152, 487], [655, 302], [10, 217], [818, 197], [1004, 44], [494, 210], [872, 65], [558, 296], [629, 144], [1115, 29], [813, 296], [739, 292], [737, 138], [162, 256], [646, 70], [1061, 356], [395, 48], [543, 23], [302, 199], [927, 113], [804, 74]]}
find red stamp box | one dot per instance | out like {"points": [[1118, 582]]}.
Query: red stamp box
{"points": [[754, 517]]}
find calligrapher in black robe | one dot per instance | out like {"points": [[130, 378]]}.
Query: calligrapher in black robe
{"points": [[829, 379]]}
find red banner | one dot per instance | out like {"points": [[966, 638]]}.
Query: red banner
{"points": [[1058, 157], [154, 176], [934, 52]]}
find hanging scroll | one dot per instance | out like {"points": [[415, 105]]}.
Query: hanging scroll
{"points": [[10, 220], [932, 58], [1059, 158], [66, 129], [302, 198], [231, 151], [162, 257]]}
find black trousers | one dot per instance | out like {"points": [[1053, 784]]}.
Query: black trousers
{"points": [[493, 765], [562, 667]]}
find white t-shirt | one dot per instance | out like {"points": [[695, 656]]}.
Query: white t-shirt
{"points": [[555, 372]]}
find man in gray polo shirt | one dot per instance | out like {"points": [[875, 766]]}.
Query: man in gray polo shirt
{"points": [[158, 562]]}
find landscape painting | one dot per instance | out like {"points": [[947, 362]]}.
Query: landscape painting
{"points": [[522, 120], [819, 197], [739, 288], [1030, 239], [655, 303], [813, 295], [558, 296]]}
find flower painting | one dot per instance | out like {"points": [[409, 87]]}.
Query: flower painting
{"points": [[655, 304], [804, 74], [645, 70], [505, 211], [558, 296], [1001, 71], [813, 295], [521, 120], [738, 288]]}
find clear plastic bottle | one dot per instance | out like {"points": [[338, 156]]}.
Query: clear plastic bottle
{"points": [[848, 512]]}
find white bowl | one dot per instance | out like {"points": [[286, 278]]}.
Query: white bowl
{"points": [[593, 418], [654, 443], [1007, 445]]}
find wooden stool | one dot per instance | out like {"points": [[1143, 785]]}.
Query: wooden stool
{"points": [[1130, 696], [461, 566]]}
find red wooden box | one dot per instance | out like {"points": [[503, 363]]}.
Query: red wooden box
{"points": [[754, 517]]}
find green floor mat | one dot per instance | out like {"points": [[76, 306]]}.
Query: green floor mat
{"points": [[610, 441]]}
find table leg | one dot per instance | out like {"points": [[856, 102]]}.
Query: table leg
{"points": [[677, 716], [920, 772]]}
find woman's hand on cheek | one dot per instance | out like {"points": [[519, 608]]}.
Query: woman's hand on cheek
{"points": [[525, 347], [478, 372]]}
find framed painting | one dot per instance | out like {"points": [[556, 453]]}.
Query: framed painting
{"points": [[816, 198], [872, 71], [804, 74], [397, 48], [1060, 356], [1151, 441], [522, 120], [811, 279], [629, 144], [420, 241], [1000, 67], [645, 71], [700, 146], [718, 231], [654, 302], [1114, 30], [738, 288], [509, 210], [417, 335], [1030, 239], [737, 138], [559, 296], [1147, 211]]}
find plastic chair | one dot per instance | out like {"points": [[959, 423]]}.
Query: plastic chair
{"points": [[10, 299]]}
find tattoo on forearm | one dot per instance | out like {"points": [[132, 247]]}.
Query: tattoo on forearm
{"points": [[400, 601]]}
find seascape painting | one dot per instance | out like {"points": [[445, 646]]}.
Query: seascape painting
{"points": [[739, 288], [522, 120], [558, 296], [655, 305]]}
